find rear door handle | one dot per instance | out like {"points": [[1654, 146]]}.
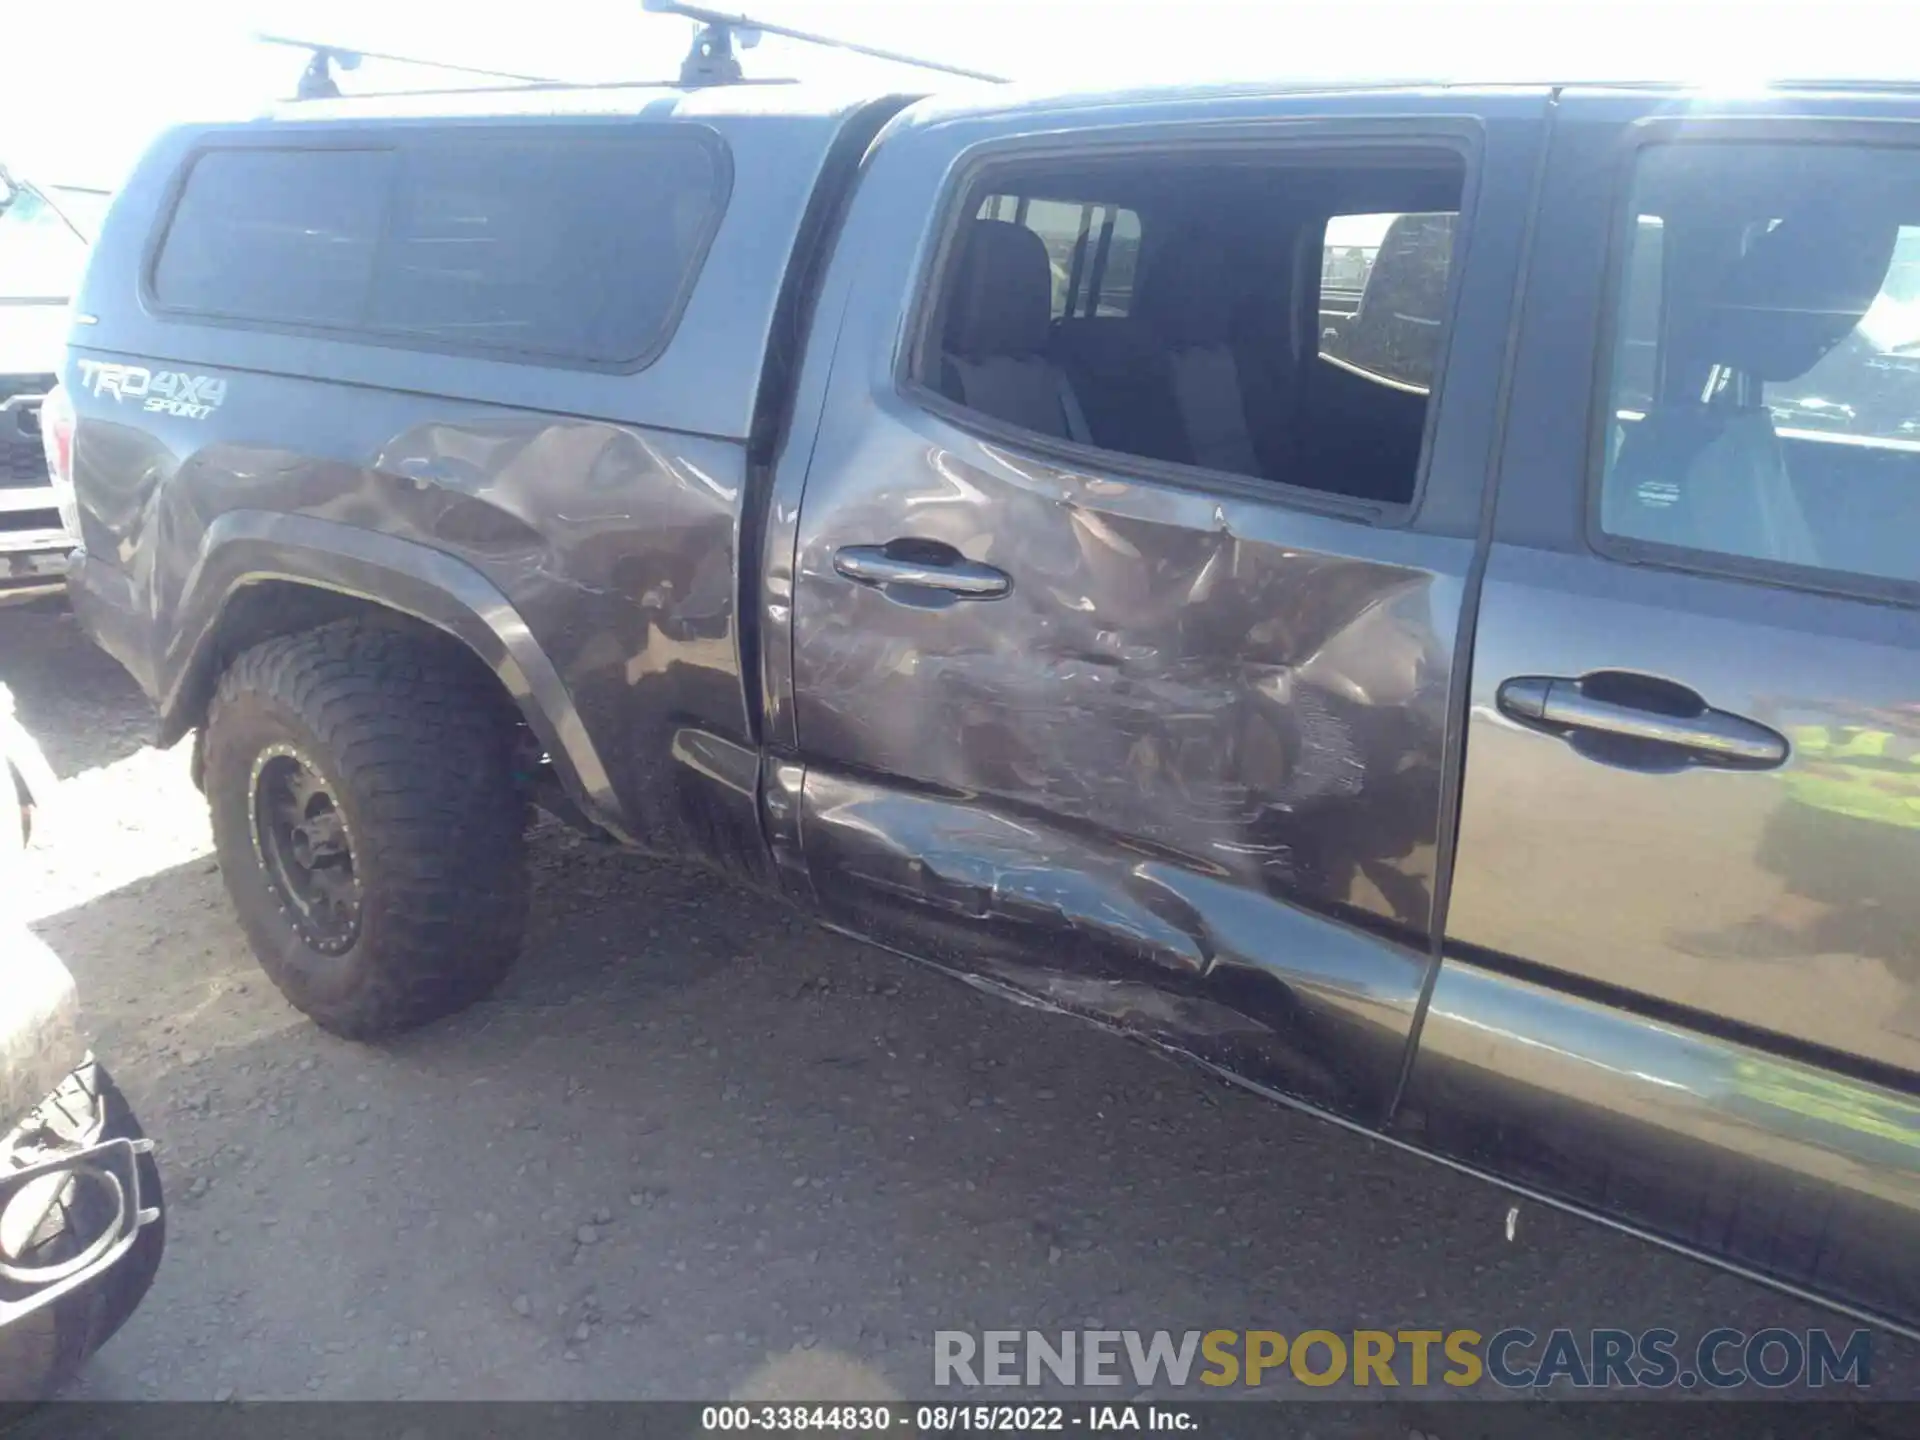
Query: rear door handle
{"points": [[923, 564], [1613, 704]]}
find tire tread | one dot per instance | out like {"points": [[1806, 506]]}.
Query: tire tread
{"points": [[418, 740]]}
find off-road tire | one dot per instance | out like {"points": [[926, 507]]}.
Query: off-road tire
{"points": [[414, 741], [41, 1352]]}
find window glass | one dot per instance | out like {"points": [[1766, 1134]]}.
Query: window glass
{"points": [[1638, 352], [1123, 260], [551, 247], [1051, 319], [564, 247], [1092, 249], [278, 235], [1765, 390], [40, 255], [1866, 385], [1067, 231], [1383, 293]]}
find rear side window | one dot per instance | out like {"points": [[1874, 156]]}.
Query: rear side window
{"points": [[1383, 294], [569, 249], [1052, 316], [1764, 396], [1637, 350], [1093, 250]]}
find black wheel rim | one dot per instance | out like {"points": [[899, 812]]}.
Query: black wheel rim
{"points": [[305, 847]]}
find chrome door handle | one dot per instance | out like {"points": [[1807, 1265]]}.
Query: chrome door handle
{"points": [[925, 564], [1708, 735]]}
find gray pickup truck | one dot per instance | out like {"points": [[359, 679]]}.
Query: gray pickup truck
{"points": [[1472, 703]]}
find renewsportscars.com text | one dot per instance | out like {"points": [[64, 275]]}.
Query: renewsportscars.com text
{"points": [[1513, 1358]]}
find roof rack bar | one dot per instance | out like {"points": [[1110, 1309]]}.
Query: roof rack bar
{"points": [[544, 87], [408, 60], [317, 82], [711, 60]]}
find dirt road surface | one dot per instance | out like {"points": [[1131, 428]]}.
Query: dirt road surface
{"points": [[696, 1148]]}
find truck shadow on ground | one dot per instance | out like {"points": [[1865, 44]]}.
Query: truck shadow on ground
{"points": [[693, 1140], [77, 703]]}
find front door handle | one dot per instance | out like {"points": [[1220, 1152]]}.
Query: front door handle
{"points": [[922, 564], [1638, 708]]}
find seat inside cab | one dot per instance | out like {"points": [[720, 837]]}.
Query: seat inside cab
{"points": [[1272, 318], [1765, 389]]}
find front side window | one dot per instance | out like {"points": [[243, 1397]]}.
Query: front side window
{"points": [[1864, 385], [1764, 392], [560, 247]]}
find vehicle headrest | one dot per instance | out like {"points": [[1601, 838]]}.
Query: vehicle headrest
{"points": [[1002, 299], [1409, 272], [1798, 291], [1187, 293]]}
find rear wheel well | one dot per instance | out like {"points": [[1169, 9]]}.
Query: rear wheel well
{"points": [[267, 609]]}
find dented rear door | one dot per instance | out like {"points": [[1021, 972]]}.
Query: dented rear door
{"points": [[1187, 774]]}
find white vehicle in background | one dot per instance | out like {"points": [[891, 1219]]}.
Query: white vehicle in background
{"points": [[44, 235]]}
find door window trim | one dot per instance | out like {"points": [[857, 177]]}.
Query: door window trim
{"points": [[398, 138], [1703, 132], [1459, 137]]}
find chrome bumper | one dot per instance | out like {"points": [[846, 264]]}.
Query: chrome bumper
{"points": [[32, 552], [40, 1044]]}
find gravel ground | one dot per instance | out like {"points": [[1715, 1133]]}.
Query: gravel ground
{"points": [[696, 1148]]}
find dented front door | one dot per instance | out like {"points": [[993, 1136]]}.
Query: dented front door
{"points": [[1169, 754]]}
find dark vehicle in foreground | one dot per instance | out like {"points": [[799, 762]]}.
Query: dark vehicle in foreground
{"points": [[1480, 709], [43, 248], [81, 1233]]}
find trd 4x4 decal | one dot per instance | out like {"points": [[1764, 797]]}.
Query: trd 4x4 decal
{"points": [[164, 392]]}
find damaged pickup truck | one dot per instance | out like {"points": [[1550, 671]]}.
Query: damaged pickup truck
{"points": [[1327, 581]]}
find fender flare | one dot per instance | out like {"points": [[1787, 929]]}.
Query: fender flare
{"points": [[248, 547]]}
